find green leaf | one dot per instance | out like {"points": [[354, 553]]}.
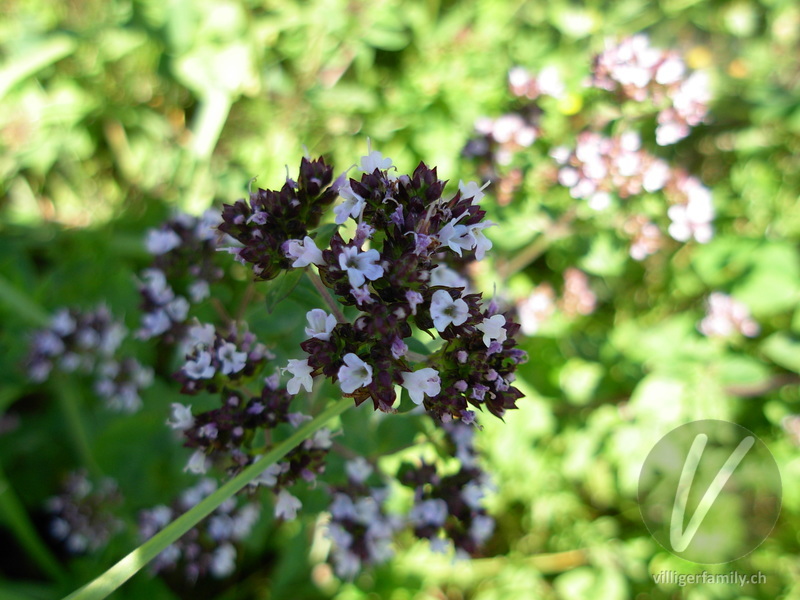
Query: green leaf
{"points": [[783, 350], [282, 286], [579, 379], [14, 516]]}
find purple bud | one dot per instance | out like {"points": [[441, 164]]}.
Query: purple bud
{"points": [[399, 348], [397, 216], [413, 298], [479, 391]]}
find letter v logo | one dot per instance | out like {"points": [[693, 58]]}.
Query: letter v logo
{"points": [[678, 537]]}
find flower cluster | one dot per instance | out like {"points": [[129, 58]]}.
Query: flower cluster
{"points": [[636, 71], [273, 226], [405, 230], [215, 358], [535, 309], [448, 508], [500, 138], [210, 547], [88, 342], [360, 529], [119, 383], [601, 166], [547, 82], [603, 169], [83, 516], [225, 436], [74, 341], [183, 252], [726, 316], [397, 270]]}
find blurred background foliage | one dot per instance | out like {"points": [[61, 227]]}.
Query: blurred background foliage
{"points": [[113, 114]]}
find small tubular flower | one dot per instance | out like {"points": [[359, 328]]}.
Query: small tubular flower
{"points": [[360, 266], [354, 374], [304, 252], [445, 310], [493, 330], [420, 383], [320, 324], [301, 371]]}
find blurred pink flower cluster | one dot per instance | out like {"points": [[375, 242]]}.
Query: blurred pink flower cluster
{"points": [[637, 71]]}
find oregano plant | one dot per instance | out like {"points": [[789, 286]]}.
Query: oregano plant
{"points": [[398, 327]]}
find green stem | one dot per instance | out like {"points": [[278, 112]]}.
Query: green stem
{"points": [[72, 415], [35, 59], [326, 296], [554, 231], [12, 512], [114, 577]]}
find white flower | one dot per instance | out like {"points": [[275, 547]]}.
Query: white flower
{"points": [[320, 324], [471, 190], [482, 243], [358, 469], [339, 536], [346, 564], [321, 439], [342, 507], [301, 371], [201, 368], [429, 512], [419, 383], [455, 236], [181, 418], [440, 545], [481, 528], [287, 506], [472, 494], [243, 523], [160, 241], [305, 252], [445, 310], [360, 265], [206, 227], [62, 323], [269, 476], [492, 329], [354, 373], [447, 277], [178, 309], [375, 160], [156, 286], [223, 561], [199, 290], [197, 463], [465, 237], [201, 335], [351, 207], [232, 361]]}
